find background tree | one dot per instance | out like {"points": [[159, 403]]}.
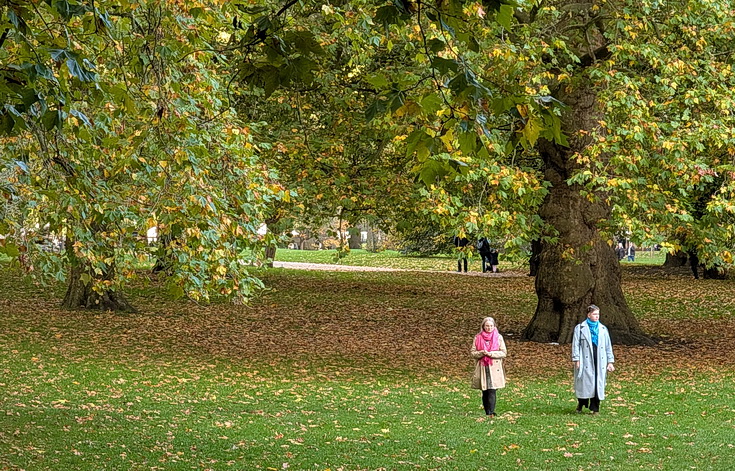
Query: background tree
{"points": [[606, 95], [123, 124]]}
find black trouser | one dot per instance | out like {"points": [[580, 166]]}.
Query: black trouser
{"points": [[459, 264], [592, 403], [486, 262], [488, 400]]}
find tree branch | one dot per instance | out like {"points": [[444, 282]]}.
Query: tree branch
{"points": [[599, 54]]}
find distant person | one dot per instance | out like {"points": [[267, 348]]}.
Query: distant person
{"points": [[592, 356], [494, 259], [483, 247], [462, 244], [620, 251], [694, 263], [631, 252], [488, 350]]}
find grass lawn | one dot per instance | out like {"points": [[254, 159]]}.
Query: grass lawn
{"points": [[394, 259], [388, 259], [356, 371]]}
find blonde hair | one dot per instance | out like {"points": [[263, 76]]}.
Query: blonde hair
{"points": [[482, 326], [592, 308]]}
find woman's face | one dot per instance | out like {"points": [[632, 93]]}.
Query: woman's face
{"points": [[488, 326], [594, 316]]}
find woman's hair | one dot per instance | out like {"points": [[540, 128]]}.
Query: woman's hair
{"points": [[482, 326], [592, 308]]}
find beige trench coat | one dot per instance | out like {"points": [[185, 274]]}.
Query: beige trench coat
{"points": [[497, 373]]}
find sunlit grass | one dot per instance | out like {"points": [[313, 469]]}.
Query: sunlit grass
{"points": [[387, 259]]}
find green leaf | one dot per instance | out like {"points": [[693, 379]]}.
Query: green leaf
{"points": [[81, 116], [443, 65], [387, 15], [85, 278], [175, 291], [504, 16], [52, 119], [68, 10], [467, 142], [376, 108], [377, 80], [10, 249], [436, 45], [531, 132], [431, 103], [79, 71]]}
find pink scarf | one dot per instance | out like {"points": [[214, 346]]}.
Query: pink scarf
{"points": [[487, 341]]}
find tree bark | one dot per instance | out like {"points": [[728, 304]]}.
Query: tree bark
{"points": [[355, 241], [581, 268], [270, 255], [80, 295], [714, 273], [164, 259], [677, 259], [533, 260]]}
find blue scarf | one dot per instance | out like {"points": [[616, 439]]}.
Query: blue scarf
{"points": [[594, 329]]}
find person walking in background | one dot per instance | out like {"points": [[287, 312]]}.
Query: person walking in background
{"points": [[694, 262], [483, 247], [462, 244], [494, 259], [488, 349], [593, 358], [620, 251], [631, 252]]}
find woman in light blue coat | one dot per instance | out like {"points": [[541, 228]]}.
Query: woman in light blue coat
{"points": [[592, 356]]}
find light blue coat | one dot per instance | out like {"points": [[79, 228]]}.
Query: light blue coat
{"points": [[584, 376]]}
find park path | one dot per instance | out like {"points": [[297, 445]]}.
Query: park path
{"points": [[335, 267]]}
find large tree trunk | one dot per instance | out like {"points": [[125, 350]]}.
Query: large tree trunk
{"points": [[79, 292], [580, 268]]}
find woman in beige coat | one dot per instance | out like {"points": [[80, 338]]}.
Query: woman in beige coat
{"points": [[489, 350]]}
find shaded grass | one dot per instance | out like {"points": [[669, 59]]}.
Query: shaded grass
{"points": [[354, 371]]}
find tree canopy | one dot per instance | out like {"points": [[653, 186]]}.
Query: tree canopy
{"points": [[116, 119], [520, 120]]}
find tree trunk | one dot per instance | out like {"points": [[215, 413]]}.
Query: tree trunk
{"points": [[580, 268], [79, 292], [355, 241], [164, 259], [715, 272], [677, 259], [270, 255], [533, 261]]}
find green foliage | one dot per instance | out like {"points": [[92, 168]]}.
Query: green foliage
{"points": [[470, 90], [121, 122]]}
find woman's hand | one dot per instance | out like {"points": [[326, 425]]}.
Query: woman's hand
{"points": [[610, 367], [576, 364]]}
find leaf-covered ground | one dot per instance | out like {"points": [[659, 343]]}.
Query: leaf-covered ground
{"points": [[350, 371]]}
